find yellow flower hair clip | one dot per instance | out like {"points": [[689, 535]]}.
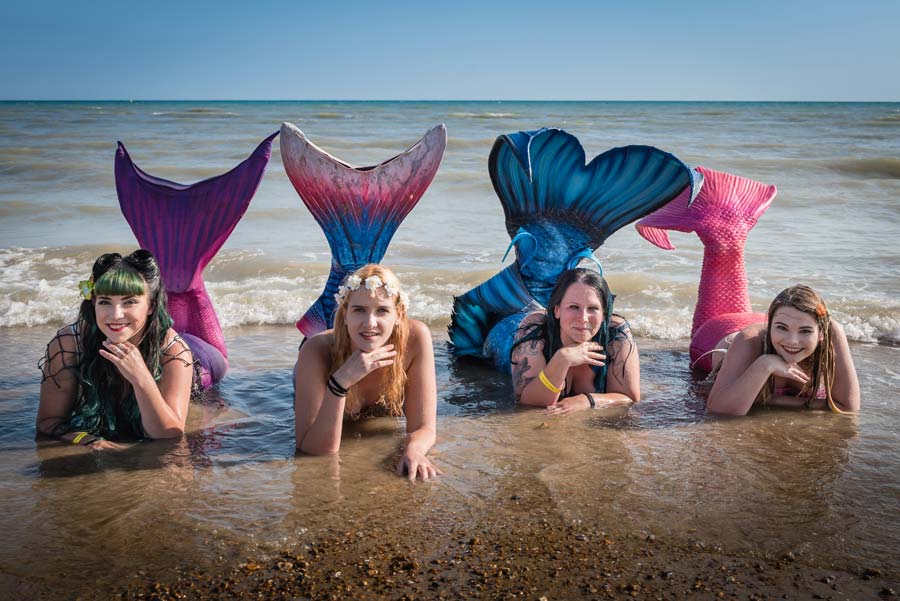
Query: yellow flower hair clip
{"points": [[86, 288]]}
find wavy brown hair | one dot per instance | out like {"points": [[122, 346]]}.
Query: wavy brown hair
{"points": [[393, 377], [805, 299]]}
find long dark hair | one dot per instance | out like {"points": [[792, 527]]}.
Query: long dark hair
{"points": [[548, 330], [101, 384]]}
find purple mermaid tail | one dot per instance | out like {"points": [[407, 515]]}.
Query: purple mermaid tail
{"points": [[722, 214], [184, 226], [358, 208]]}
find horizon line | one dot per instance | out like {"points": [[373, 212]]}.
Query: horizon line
{"points": [[514, 100]]}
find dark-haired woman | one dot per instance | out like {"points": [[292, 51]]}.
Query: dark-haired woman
{"points": [[120, 372], [578, 354]]}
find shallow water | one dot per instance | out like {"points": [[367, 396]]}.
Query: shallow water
{"points": [[821, 486]]}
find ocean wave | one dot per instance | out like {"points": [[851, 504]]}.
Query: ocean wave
{"points": [[194, 113], [877, 167], [486, 115], [331, 115]]}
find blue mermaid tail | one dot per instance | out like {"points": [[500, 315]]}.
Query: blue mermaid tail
{"points": [[558, 211], [358, 208]]}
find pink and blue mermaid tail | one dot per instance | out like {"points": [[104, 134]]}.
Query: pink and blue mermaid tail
{"points": [[358, 208], [184, 226], [722, 215], [558, 211]]}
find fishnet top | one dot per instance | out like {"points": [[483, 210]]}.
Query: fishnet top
{"points": [[103, 416]]}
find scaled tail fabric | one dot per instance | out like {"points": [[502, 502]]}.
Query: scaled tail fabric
{"points": [[184, 226], [722, 214], [358, 208], [558, 211]]}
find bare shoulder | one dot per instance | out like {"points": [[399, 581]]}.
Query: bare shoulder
{"points": [[753, 336], [620, 323], [318, 345], [419, 333], [64, 340], [533, 319], [174, 344]]}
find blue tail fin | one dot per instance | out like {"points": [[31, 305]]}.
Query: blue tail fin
{"points": [[558, 209]]}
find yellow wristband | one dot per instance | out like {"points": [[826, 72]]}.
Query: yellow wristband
{"points": [[548, 384], [78, 437]]}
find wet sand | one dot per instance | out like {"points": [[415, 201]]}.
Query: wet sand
{"points": [[508, 548]]}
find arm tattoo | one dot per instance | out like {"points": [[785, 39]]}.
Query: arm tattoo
{"points": [[621, 346], [520, 381]]}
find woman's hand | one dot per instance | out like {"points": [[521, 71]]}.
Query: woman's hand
{"points": [[360, 364], [589, 353], [127, 359], [569, 405], [105, 445], [415, 465], [781, 368]]}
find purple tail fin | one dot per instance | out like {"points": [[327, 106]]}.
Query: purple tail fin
{"points": [[722, 214], [184, 226]]}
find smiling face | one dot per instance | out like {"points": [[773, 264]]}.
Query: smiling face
{"points": [[580, 314], [793, 334], [370, 318], [122, 317]]}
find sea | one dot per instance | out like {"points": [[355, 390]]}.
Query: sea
{"points": [[821, 486]]}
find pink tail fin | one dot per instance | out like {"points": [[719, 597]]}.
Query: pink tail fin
{"points": [[722, 214], [724, 200]]}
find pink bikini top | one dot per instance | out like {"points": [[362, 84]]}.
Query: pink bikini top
{"points": [[786, 391]]}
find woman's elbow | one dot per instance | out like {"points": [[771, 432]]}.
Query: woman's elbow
{"points": [[714, 407], [168, 433]]}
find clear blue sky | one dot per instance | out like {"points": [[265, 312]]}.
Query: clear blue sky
{"points": [[458, 49]]}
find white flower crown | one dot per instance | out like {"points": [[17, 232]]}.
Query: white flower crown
{"points": [[372, 283]]}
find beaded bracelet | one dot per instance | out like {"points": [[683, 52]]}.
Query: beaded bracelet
{"points": [[548, 384], [591, 400]]}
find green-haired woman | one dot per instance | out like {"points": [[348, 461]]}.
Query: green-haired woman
{"points": [[120, 371]]}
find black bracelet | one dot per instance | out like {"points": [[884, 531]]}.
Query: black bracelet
{"points": [[335, 388], [590, 396]]}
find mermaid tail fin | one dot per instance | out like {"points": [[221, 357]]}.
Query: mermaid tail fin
{"points": [[184, 226], [727, 207], [358, 208], [558, 210], [722, 215], [567, 206]]}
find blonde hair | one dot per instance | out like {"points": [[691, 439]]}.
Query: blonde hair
{"points": [[393, 377], [805, 299]]}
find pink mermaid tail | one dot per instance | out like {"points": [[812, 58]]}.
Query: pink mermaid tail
{"points": [[722, 214], [184, 226]]}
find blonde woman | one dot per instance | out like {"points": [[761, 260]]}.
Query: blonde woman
{"points": [[374, 361]]}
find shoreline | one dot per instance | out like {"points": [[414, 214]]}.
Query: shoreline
{"points": [[527, 557]]}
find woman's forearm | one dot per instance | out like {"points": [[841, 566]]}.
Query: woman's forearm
{"points": [[737, 398], [420, 440], [537, 393], [158, 418], [323, 437]]}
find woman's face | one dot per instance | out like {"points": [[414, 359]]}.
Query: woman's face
{"points": [[794, 334], [122, 318], [370, 318], [580, 314]]}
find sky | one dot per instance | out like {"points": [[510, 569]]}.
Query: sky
{"points": [[456, 50]]}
